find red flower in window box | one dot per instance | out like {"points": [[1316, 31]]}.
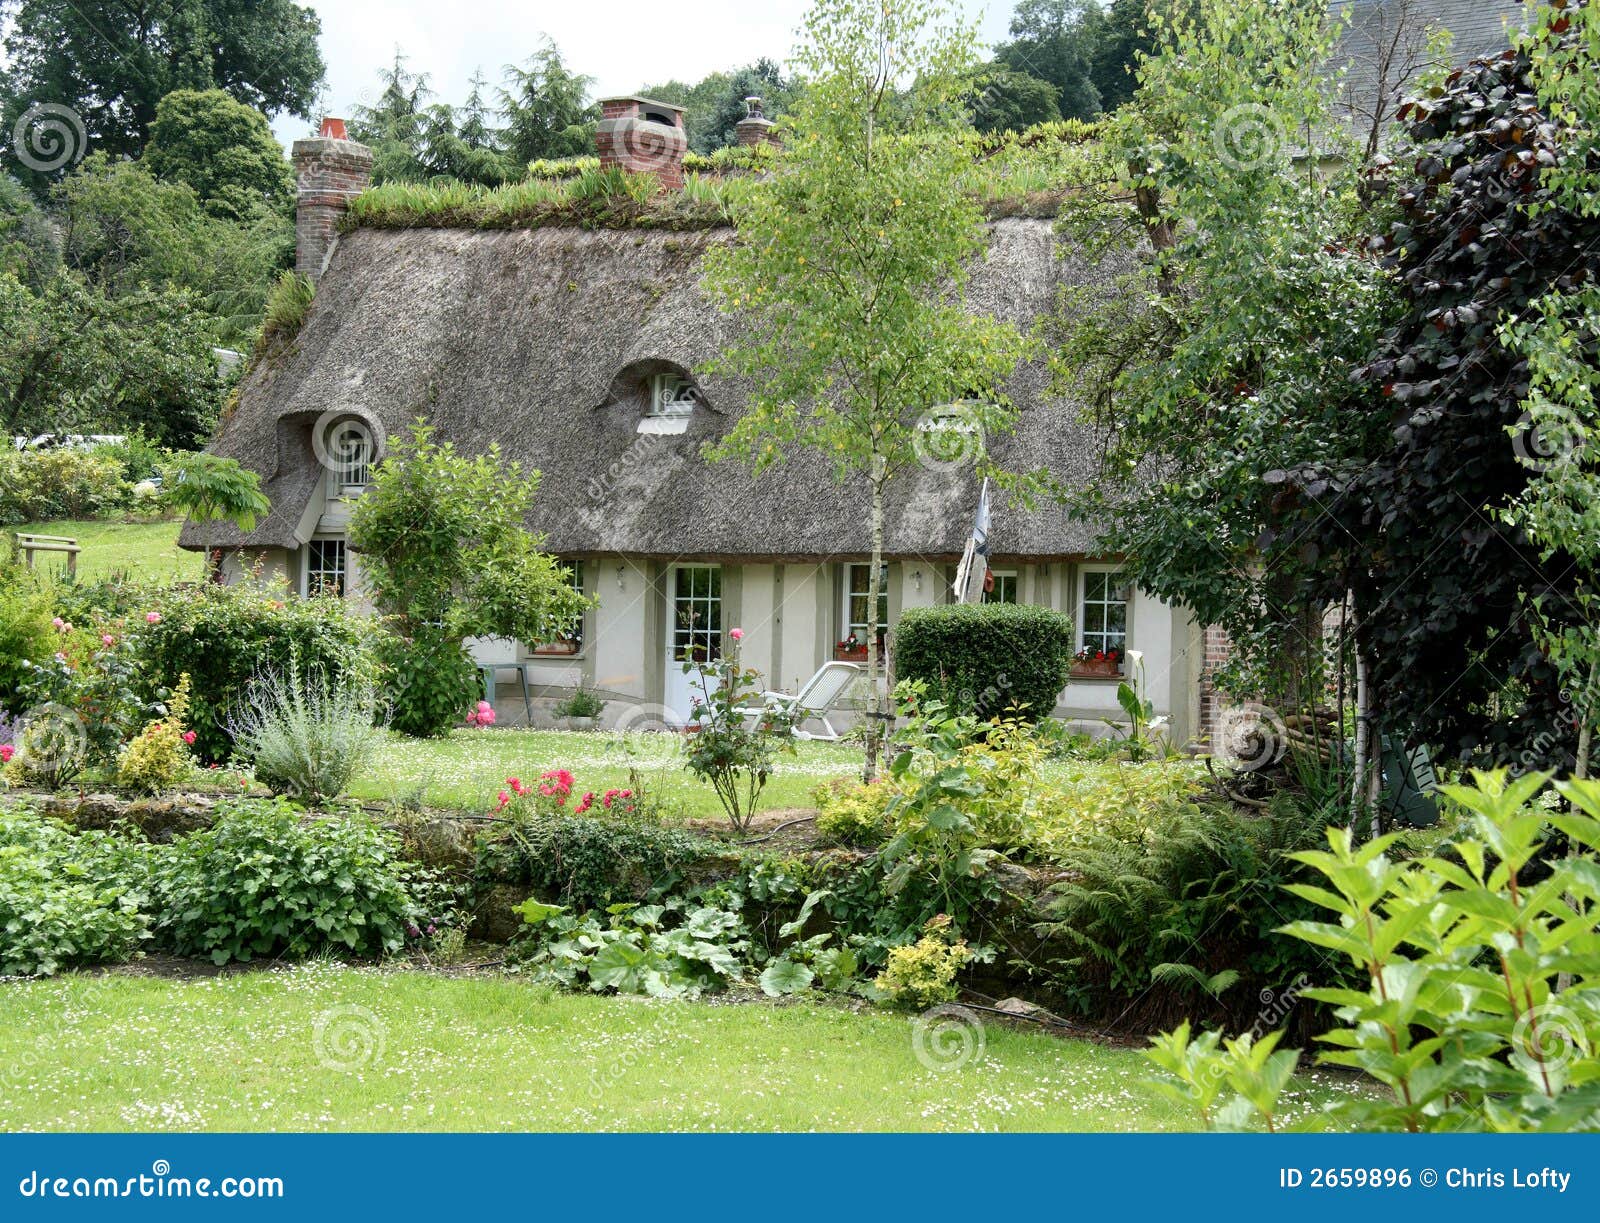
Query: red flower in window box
{"points": [[1092, 664]]}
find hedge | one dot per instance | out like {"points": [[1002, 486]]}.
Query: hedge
{"points": [[222, 635], [986, 658]]}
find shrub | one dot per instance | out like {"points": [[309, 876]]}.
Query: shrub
{"points": [[25, 631], [986, 658], [84, 705], [306, 737], [924, 973], [429, 683], [288, 303], [732, 753], [1477, 1007], [39, 485], [159, 758], [262, 881], [67, 900], [854, 813], [581, 704], [1171, 902], [222, 636]]}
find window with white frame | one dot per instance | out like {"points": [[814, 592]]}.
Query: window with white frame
{"points": [[350, 451], [671, 397], [1004, 589], [325, 567], [858, 600], [1103, 612], [568, 640]]}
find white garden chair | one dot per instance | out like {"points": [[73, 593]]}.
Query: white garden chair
{"points": [[814, 702]]}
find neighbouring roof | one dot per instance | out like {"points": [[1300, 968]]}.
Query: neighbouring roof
{"points": [[1383, 37], [519, 337]]}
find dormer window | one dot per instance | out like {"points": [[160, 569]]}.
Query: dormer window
{"points": [[350, 455], [671, 401], [672, 396]]}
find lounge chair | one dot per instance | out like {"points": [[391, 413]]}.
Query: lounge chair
{"points": [[815, 700]]}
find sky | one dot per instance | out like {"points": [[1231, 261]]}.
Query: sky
{"points": [[623, 44]]}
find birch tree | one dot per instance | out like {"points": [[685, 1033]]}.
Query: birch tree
{"points": [[850, 266]]}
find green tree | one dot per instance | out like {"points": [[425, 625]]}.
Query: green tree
{"points": [[1226, 358], [224, 151], [113, 62], [29, 248], [851, 261], [445, 556], [1055, 41], [1006, 101], [74, 359], [395, 126], [546, 108]]}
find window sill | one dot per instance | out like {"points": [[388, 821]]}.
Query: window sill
{"points": [[663, 426]]}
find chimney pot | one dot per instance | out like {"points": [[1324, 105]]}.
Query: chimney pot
{"points": [[755, 128], [333, 129]]}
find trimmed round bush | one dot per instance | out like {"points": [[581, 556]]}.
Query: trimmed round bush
{"points": [[987, 658], [222, 636]]}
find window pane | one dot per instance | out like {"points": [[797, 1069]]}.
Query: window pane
{"points": [[1117, 617]]}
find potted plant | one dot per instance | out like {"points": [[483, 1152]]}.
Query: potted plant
{"points": [[851, 650], [580, 710], [1097, 664]]}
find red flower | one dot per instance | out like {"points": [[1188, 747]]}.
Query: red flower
{"points": [[588, 801]]}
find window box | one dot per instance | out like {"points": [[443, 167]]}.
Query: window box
{"points": [[548, 649], [842, 653], [1097, 668]]}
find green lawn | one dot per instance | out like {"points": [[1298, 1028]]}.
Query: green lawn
{"points": [[469, 768], [323, 1047], [141, 549]]}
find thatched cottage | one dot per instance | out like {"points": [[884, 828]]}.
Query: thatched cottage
{"points": [[581, 352]]}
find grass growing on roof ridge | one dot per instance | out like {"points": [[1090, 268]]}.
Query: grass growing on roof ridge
{"points": [[1014, 174]]}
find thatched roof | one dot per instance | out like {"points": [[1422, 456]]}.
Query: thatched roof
{"points": [[531, 338]]}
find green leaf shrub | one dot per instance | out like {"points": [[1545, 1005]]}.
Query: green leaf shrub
{"points": [[264, 881], [855, 813], [1478, 1007], [67, 900], [430, 682], [86, 702], [923, 974], [731, 752], [25, 631], [222, 636], [987, 658], [40, 485]]}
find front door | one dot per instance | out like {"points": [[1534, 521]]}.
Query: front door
{"points": [[694, 633]]}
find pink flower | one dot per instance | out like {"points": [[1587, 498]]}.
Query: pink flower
{"points": [[6, 752], [588, 801], [505, 799], [108, 639], [606, 801], [485, 707], [59, 623], [486, 717], [189, 737], [737, 634], [516, 785], [152, 617]]}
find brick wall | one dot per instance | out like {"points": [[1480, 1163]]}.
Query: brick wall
{"points": [[1217, 650]]}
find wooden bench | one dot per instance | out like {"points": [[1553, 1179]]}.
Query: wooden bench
{"points": [[29, 544]]}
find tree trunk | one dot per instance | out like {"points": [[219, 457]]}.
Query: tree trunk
{"points": [[877, 708], [1358, 788]]}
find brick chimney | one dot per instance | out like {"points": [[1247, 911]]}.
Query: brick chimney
{"points": [[755, 128], [330, 170], [642, 136]]}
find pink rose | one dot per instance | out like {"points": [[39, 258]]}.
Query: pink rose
{"points": [[59, 623], [6, 752], [189, 737], [108, 639], [485, 707], [737, 634], [152, 617]]}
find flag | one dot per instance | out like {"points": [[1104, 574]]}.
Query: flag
{"points": [[972, 575]]}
